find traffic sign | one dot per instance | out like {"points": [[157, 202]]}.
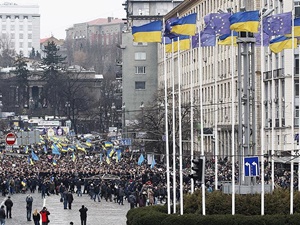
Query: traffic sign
{"points": [[10, 139], [251, 166]]}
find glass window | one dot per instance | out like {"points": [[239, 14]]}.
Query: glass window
{"points": [[29, 36], [140, 70], [140, 85], [21, 36], [140, 56]]}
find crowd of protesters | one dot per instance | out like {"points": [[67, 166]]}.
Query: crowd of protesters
{"points": [[140, 185]]}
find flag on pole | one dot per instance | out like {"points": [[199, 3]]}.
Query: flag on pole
{"points": [[217, 23], [167, 32], [279, 24], [185, 25], [55, 149], [226, 39], [296, 28], [266, 38], [153, 163], [184, 43], [280, 43], [107, 160], [54, 162], [141, 159], [34, 156], [29, 160], [150, 32], [73, 157], [247, 21], [207, 39]]}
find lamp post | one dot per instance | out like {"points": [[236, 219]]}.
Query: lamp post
{"points": [[113, 107], [1, 105], [142, 108], [123, 119], [68, 105]]}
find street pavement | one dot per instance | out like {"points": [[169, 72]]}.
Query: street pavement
{"points": [[98, 212]]}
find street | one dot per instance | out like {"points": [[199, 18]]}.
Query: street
{"points": [[98, 212]]}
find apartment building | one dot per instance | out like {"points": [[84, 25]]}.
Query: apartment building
{"points": [[20, 27]]}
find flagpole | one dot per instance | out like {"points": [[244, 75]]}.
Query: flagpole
{"points": [[192, 111], [201, 120], [293, 116], [167, 129], [232, 126], [298, 119], [262, 65], [180, 131], [174, 131], [216, 117]]}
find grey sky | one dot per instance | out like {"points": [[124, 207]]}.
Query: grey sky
{"points": [[57, 15]]}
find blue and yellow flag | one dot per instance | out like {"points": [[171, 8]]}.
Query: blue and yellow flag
{"points": [[247, 21], [184, 44], [29, 160], [296, 28], [108, 144], [280, 43], [150, 32], [185, 25], [107, 160], [54, 162], [226, 39], [73, 157], [34, 156]]}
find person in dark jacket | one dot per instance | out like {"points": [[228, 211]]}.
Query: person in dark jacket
{"points": [[29, 201], [70, 199], [83, 214], [9, 204], [36, 217], [2, 215]]}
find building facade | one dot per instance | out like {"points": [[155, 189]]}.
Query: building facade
{"points": [[139, 66], [20, 27], [275, 87]]}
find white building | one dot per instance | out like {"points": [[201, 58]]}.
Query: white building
{"points": [[20, 27], [276, 99]]}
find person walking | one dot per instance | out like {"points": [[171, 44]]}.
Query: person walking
{"points": [[45, 213], [36, 217], [83, 214], [29, 201], [9, 204], [2, 215], [70, 199]]}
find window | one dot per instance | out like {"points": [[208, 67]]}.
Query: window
{"points": [[140, 56], [29, 36], [21, 36], [140, 70], [140, 44], [140, 85]]}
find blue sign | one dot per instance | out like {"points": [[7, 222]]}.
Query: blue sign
{"points": [[251, 166], [125, 141]]}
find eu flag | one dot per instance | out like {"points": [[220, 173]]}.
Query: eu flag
{"points": [[247, 21], [266, 38], [185, 25], [218, 23], [279, 24], [280, 43], [207, 39], [150, 32], [168, 28]]}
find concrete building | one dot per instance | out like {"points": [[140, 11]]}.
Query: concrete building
{"points": [[20, 27], [275, 95], [139, 66]]}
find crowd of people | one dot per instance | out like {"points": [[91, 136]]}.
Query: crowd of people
{"points": [[140, 185]]}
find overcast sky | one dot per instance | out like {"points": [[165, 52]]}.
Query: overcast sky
{"points": [[58, 15]]}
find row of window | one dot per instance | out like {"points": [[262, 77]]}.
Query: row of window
{"points": [[13, 17], [13, 36], [12, 27]]}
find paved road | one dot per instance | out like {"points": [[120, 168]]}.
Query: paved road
{"points": [[98, 212]]}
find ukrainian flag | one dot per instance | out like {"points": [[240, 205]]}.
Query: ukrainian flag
{"points": [[54, 162], [296, 28], [150, 32], [107, 160], [73, 157], [247, 21], [185, 25], [226, 39], [29, 160], [280, 43], [108, 144], [111, 153], [184, 44]]}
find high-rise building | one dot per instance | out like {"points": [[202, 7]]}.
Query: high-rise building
{"points": [[20, 27], [139, 66]]}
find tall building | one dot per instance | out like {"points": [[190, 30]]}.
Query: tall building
{"points": [[20, 27], [139, 66], [274, 89]]}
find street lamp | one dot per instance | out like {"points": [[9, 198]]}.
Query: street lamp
{"points": [[142, 108], [1, 105], [68, 105], [113, 107], [123, 119]]}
